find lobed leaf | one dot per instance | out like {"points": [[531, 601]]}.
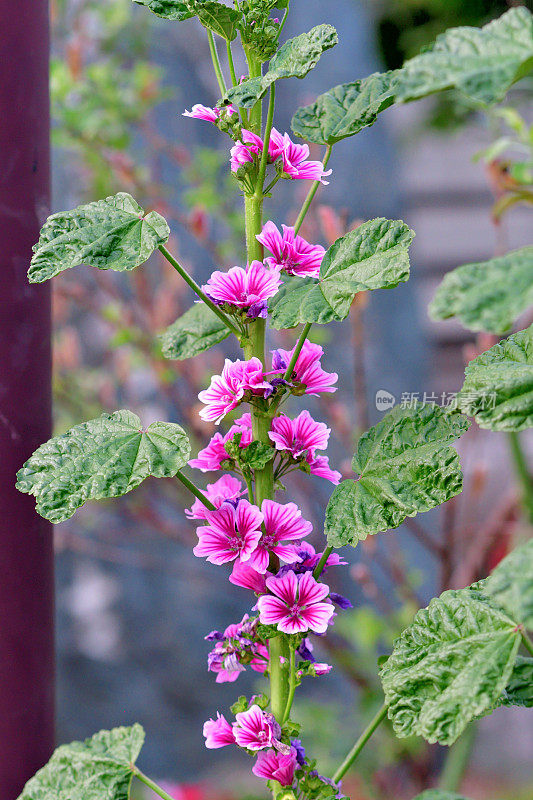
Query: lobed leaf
{"points": [[100, 767], [510, 584], [488, 296], [105, 457], [406, 466], [482, 63], [113, 234], [345, 110], [449, 666], [498, 386], [374, 256], [219, 18], [295, 58], [192, 333], [168, 9]]}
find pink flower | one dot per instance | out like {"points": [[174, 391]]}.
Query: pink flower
{"points": [[227, 390], [281, 523], [297, 605], [248, 578], [259, 662], [199, 111], [248, 288], [275, 766], [230, 533], [253, 729], [319, 465], [245, 151], [307, 370], [226, 488], [295, 163], [300, 435], [211, 457], [291, 252], [234, 648], [218, 733], [310, 558]]}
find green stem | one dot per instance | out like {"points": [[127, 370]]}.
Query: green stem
{"points": [[150, 783], [250, 488], [216, 63], [522, 473], [197, 290], [292, 684], [360, 743], [457, 760], [266, 141], [193, 489], [526, 641], [311, 193], [230, 62], [256, 113], [317, 572], [297, 350]]}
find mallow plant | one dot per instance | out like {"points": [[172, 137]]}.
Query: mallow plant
{"points": [[468, 652]]}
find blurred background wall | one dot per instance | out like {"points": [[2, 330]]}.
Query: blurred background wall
{"points": [[133, 602]]}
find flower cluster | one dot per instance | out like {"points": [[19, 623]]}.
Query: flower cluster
{"points": [[290, 158]]}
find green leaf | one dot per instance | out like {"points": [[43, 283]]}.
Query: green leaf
{"points": [[450, 666], [197, 330], [438, 794], [113, 234], [219, 18], [510, 584], [498, 386], [519, 690], [294, 59], [256, 455], [374, 256], [168, 9], [100, 767], [406, 466], [488, 296], [482, 63], [105, 457], [345, 110]]}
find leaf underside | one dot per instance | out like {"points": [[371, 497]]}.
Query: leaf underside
{"points": [[112, 234], [498, 386], [488, 296], [197, 330], [101, 767], [406, 466], [104, 457], [510, 584]]}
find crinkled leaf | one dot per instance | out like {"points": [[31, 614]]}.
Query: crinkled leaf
{"points": [[449, 666], [219, 18], [345, 110], [113, 234], [105, 457], [488, 296], [519, 689], [294, 59], [374, 256], [438, 794], [498, 386], [406, 466], [197, 330], [168, 9], [510, 584], [100, 767], [482, 63], [256, 455]]}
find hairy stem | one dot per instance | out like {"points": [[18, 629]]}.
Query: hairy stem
{"points": [[150, 783], [360, 743], [216, 63], [522, 473], [197, 290], [457, 760], [195, 490], [311, 193]]}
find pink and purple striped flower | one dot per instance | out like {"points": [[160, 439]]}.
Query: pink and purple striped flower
{"points": [[208, 114], [247, 577], [299, 436], [307, 372], [230, 533], [254, 729], [297, 604], [227, 390], [241, 288], [291, 252], [234, 649], [282, 524], [218, 733], [226, 488], [211, 457], [296, 165], [244, 152], [319, 465], [274, 766]]}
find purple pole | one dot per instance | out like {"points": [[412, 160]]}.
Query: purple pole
{"points": [[26, 557]]}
